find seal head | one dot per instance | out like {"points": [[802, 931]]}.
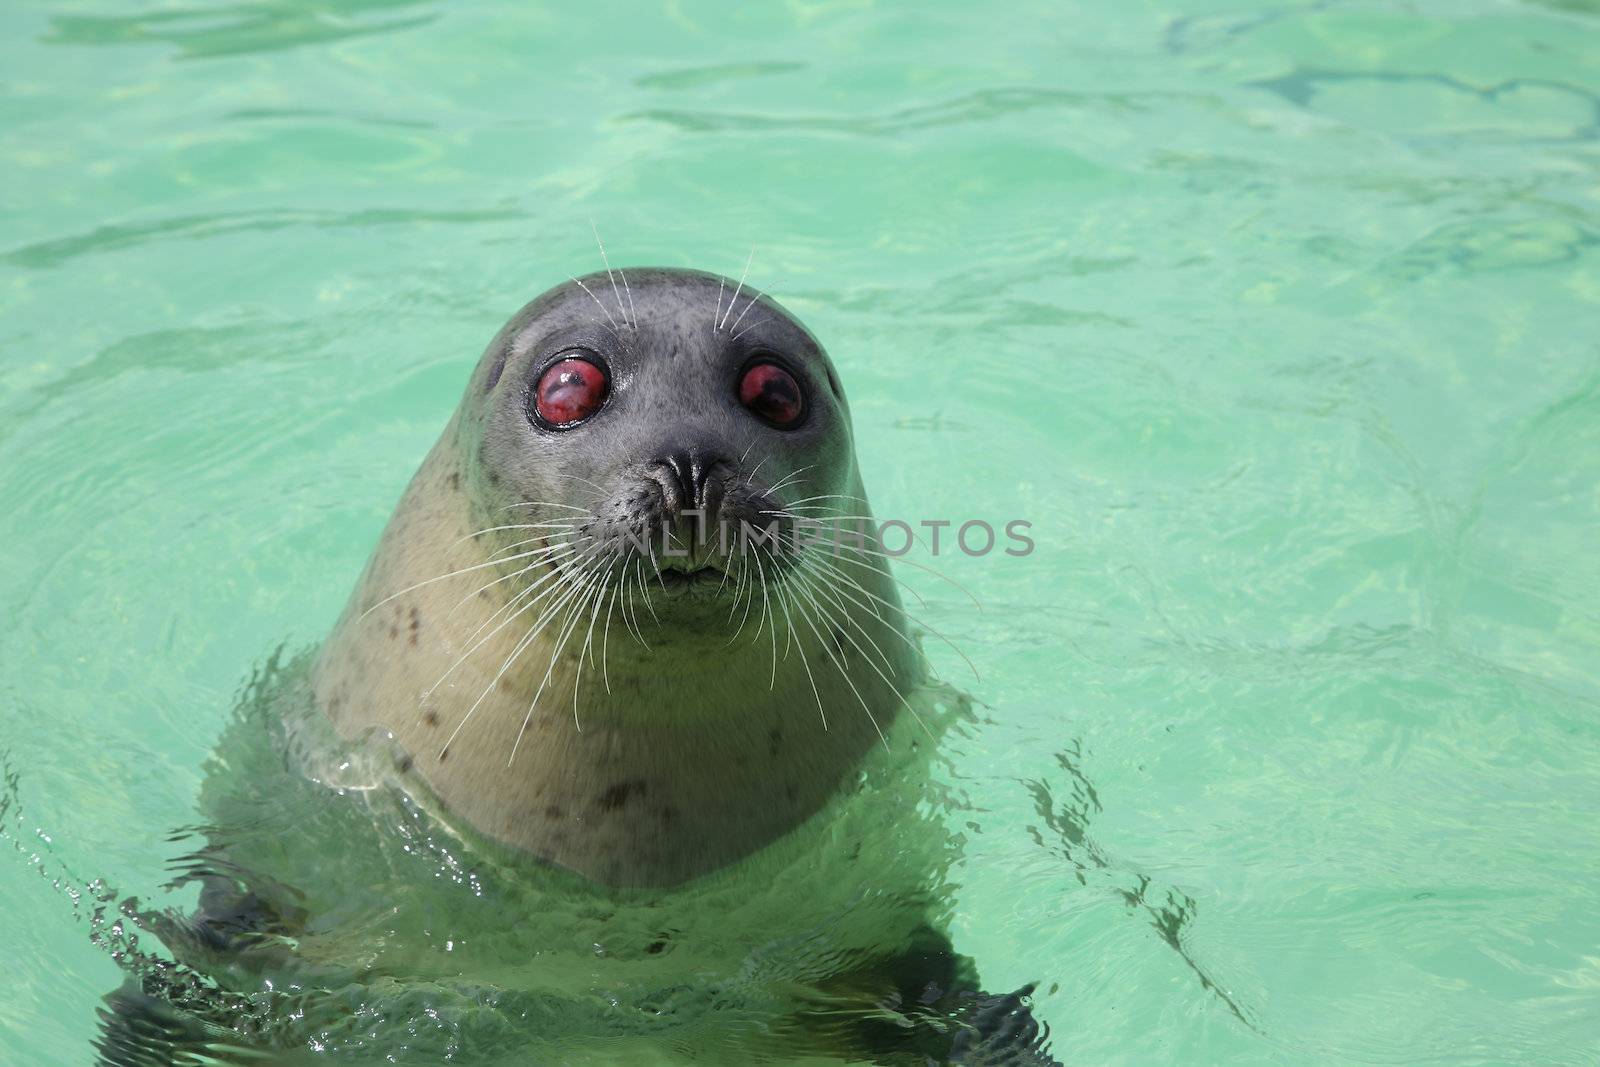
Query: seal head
{"points": [[629, 616]]}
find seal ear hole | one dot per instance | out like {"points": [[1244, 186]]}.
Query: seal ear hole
{"points": [[495, 370]]}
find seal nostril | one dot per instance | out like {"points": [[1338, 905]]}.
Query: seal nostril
{"points": [[691, 472], [697, 481], [681, 470]]}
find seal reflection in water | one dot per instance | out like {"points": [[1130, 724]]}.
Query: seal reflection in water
{"points": [[628, 638]]}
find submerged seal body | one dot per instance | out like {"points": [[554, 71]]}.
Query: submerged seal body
{"points": [[628, 616]]}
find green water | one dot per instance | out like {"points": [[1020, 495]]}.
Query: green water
{"points": [[1278, 323]]}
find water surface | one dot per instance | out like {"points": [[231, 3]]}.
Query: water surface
{"points": [[1276, 320]]}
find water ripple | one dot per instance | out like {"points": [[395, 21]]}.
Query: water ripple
{"points": [[115, 237], [981, 106], [239, 29]]}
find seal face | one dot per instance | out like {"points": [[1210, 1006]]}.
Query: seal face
{"points": [[630, 616]]}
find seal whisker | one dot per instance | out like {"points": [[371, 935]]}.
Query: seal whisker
{"points": [[630, 612], [749, 578], [526, 640], [818, 563], [775, 584], [917, 620], [738, 590], [644, 592], [644, 595], [574, 613], [783, 600], [802, 587], [442, 577], [907, 586], [777, 587], [548, 560], [753, 324], [557, 555], [857, 534], [631, 308], [605, 637], [819, 522], [510, 549], [754, 299], [625, 605], [575, 478], [620, 309], [839, 589], [820, 582], [530, 605], [548, 504], [829, 496], [490, 585], [847, 617], [742, 275], [594, 614], [718, 313], [747, 581], [615, 329], [827, 511], [749, 479], [766, 606], [553, 575], [827, 562], [554, 525], [792, 479], [879, 554], [801, 513]]}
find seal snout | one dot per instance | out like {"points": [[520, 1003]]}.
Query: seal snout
{"points": [[693, 515], [693, 487]]}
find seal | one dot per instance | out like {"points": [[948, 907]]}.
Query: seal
{"points": [[617, 752], [628, 616]]}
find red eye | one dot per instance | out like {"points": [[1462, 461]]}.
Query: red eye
{"points": [[570, 391], [773, 394]]}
